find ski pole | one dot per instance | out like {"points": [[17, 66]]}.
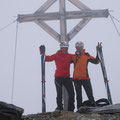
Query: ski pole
{"points": [[42, 52]]}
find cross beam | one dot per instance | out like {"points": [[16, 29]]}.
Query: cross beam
{"points": [[85, 14], [69, 15]]}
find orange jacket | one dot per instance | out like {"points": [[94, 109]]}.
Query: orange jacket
{"points": [[80, 65]]}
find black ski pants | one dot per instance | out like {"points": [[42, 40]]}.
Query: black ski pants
{"points": [[88, 89], [67, 83]]}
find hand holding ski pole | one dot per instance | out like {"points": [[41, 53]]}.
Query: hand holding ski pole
{"points": [[42, 49]]}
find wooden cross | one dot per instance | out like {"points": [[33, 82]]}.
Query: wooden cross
{"points": [[85, 14]]}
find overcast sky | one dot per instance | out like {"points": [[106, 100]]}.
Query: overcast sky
{"points": [[27, 87]]}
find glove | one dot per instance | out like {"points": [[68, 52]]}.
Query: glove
{"points": [[42, 49]]}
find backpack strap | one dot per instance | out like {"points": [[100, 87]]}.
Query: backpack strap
{"points": [[102, 102]]}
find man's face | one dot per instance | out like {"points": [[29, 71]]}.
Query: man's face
{"points": [[64, 49], [79, 49]]}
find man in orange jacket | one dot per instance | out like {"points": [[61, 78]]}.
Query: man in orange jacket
{"points": [[62, 75], [80, 75]]}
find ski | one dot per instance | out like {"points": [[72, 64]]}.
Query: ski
{"points": [[100, 54], [42, 51]]}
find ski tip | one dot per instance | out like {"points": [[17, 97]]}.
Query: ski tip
{"points": [[99, 45], [42, 49]]}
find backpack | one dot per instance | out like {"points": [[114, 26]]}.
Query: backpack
{"points": [[102, 102]]}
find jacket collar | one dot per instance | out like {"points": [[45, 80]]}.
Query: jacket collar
{"points": [[60, 52], [77, 53]]}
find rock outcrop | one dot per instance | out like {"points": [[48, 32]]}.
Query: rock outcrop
{"points": [[10, 111], [109, 112]]}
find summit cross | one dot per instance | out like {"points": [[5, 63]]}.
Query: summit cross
{"points": [[85, 14]]}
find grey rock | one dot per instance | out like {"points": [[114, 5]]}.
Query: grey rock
{"points": [[10, 111], [109, 109], [110, 112]]}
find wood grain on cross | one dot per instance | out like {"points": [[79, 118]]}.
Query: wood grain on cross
{"points": [[85, 14]]}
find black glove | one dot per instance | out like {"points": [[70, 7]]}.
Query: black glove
{"points": [[42, 49]]}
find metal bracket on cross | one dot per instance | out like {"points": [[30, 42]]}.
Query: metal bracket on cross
{"points": [[85, 14]]}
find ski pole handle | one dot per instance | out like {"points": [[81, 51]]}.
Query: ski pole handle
{"points": [[42, 49], [99, 45]]}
